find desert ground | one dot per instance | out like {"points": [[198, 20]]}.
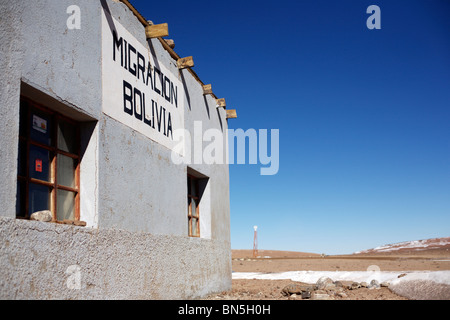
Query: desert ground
{"points": [[399, 260]]}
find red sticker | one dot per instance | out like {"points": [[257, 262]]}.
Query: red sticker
{"points": [[38, 165]]}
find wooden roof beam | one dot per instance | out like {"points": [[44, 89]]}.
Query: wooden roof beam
{"points": [[157, 30], [221, 103], [163, 42], [207, 89], [231, 114], [171, 43], [184, 63]]}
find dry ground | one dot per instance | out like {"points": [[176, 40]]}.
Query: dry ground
{"points": [[293, 261]]}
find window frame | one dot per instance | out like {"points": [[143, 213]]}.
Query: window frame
{"points": [[54, 151], [197, 198]]}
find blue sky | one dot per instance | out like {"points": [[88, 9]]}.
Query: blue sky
{"points": [[364, 115]]}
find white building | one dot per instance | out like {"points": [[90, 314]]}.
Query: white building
{"points": [[90, 104]]}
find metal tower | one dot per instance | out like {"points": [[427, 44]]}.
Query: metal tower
{"points": [[255, 242]]}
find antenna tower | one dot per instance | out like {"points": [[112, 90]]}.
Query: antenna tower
{"points": [[255, 242]]}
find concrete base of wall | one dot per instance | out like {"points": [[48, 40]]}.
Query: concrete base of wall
{"points": [[51, 261]]}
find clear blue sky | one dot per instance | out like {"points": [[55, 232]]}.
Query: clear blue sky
{"points": [[364, 115]]}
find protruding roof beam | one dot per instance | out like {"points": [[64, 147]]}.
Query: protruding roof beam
{"points": [[221, 103], [231, 114], [157, 30], [207, 89], [184, 63]]}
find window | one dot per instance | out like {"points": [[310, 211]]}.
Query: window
{"points": [[48, 163], [193, 206]]}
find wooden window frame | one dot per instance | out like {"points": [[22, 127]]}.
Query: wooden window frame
{"points": [[54, 152], [197, 213]]}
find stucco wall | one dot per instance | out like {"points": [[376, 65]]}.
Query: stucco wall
{"points": [[11, 53], [142, 189], [38, 259], [133, 197]]}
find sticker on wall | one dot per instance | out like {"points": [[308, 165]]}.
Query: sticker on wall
{"points": [[38, 165], [39, 124]]}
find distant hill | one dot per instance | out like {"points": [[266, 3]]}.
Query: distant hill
{"points": [[274, 254], [436, 245]]}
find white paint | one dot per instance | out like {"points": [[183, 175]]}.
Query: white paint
{"points": [[114, 75], [205, 213], [89, 191]]}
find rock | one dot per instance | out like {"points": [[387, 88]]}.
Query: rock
{"points": [[294, 288], [384, 284], [401, 275], [355, 285], [338, 284], [43, 216], [320, 291], [308, 288], [306, 295], [289, 290], [325, 283], [342, 295], [337, 289], [293, 297], [374, 284], [347, 284], [364, 284]]}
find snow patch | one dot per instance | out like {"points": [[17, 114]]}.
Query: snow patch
{"points": [[357, 276]]}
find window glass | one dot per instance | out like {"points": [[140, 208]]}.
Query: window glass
{"points": [[194, 208], [41, 126], [67, 137], [39, 163], [66, 171], [65, 205], [43, 138], [194, 227], [39, 198]]}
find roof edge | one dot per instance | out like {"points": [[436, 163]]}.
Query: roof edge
{"points": [[172, 53]]}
